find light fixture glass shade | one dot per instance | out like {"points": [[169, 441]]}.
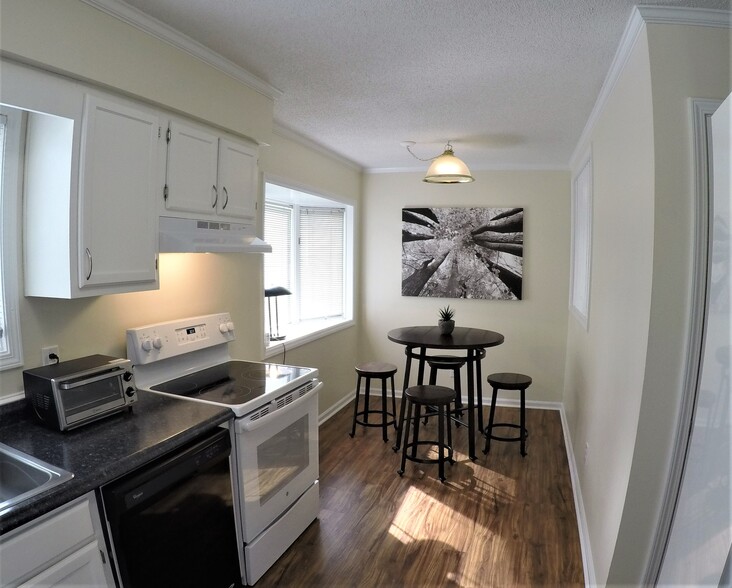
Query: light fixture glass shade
{"points": [[448, 169]]}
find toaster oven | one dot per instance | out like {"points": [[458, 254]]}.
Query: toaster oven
{"points": [[70, 394]]}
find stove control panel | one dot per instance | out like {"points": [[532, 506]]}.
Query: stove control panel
{"points": [[155, 342]]}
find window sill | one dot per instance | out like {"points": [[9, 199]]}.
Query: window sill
{"points": [[306, 333]]}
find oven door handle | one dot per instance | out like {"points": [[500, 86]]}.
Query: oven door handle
{"points": [[248, 425]]}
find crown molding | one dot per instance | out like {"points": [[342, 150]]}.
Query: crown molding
{"points": [[700, 17], [163, 32], [287, 133], [496, 167], [639, 18]]}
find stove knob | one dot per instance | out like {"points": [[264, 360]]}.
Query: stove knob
{"points": [[230, 326], [127, 376], [224, 328], [130, 391], [147, 344], [157, 342]]}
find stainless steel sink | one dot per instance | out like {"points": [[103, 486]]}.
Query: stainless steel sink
{"points": [[23, 476]]}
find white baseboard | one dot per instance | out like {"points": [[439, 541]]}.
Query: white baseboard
{"points": [[579, 506]]}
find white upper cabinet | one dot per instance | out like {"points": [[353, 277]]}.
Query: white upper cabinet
{"points": [[238, 178], [117, 188], [208, 175]]}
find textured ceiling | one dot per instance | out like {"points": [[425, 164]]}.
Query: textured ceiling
{"points": [[510, 82]]}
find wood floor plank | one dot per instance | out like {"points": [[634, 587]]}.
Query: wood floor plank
{"points": [[503, 520]]}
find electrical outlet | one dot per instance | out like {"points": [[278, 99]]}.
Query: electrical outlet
{"points": [[46, 352]]}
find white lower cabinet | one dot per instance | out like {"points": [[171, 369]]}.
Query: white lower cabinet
{"points": [[63, 548]]}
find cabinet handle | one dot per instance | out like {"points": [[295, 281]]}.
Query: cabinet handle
{"points": [[226, 193], [91, 263], [216, 198]]}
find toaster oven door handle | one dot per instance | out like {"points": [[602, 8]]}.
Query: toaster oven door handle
{"points": [[85, 381]]}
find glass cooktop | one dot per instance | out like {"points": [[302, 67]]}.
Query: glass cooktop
{"points": [[235, 382]]}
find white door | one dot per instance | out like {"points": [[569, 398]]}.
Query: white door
{"points": [[191, 171], [238, 178], [698, 546], [118, 224]]}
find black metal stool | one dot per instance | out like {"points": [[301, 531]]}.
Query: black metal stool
{"points": [[381, 371], [453, 364], [508, 381], [427, 396]]}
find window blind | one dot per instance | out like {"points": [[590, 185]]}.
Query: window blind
{"points": [[320, 272]]}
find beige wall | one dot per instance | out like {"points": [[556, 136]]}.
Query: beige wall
{"points": [[123, 59], [625, 374], [686, 62], [605, 364], [534, 328]]}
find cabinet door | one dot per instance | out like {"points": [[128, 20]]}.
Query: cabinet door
{"points": [[238, 179], [191, 172], [82, 568], [117, 220]]}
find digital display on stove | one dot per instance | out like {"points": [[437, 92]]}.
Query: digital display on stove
{"points": [[191, 331]]}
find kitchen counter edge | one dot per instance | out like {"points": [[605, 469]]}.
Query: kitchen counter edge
{"points": [[105, 450]]}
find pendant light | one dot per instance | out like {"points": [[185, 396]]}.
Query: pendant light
{"points": [[445, 168]]}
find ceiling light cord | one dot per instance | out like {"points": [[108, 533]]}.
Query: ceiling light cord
{"points": [[448, 147]]}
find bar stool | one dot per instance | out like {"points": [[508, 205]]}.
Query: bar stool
{"points": [[381, 371], [453, 364], [508, 381], [427, 396]]}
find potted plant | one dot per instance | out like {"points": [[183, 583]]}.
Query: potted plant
{"points": [[446, 322]]}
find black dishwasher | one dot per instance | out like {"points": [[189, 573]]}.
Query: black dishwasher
{"points": [[171, 522]]}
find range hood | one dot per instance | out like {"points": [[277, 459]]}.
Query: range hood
{"points": [[185, 235]]}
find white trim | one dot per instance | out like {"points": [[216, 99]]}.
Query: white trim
{"points": [[474, 168], [163, 32], [639, 17], [288, 133], [581, 309], [11, 199], [699, 17], [15, 397], [700, 112], [287, 345], [337, 407], [579, 507]]}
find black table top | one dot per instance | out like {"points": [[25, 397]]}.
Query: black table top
{"points": [[432, 338]]}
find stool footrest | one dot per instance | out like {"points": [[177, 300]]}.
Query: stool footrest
{"points": [[378, 413], [521, 436], [429, 459]]}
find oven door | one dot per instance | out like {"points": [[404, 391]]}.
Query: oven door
{"points": [[277, 457]]}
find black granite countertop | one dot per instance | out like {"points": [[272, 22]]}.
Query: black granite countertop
{"points": [[100, 452]]}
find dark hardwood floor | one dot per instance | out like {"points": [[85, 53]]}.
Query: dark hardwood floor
{"points": [[501, 521]]}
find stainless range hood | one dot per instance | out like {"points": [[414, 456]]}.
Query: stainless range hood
{"points": [[184, 235]]}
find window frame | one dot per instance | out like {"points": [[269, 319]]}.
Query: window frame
{"points": [[311, 330], [10, 206], [581, 256]]}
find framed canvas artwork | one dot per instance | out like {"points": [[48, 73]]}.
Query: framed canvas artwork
{"points": [[463, 252]]}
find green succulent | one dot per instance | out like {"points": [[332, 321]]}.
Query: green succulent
{"points": [[447, 313]]}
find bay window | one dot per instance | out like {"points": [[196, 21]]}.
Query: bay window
{"points": [[312, 251]]}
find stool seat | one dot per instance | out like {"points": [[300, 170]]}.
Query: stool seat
{"points": [[430, 397], [446, 362], [509, 381], [377, 370]]}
